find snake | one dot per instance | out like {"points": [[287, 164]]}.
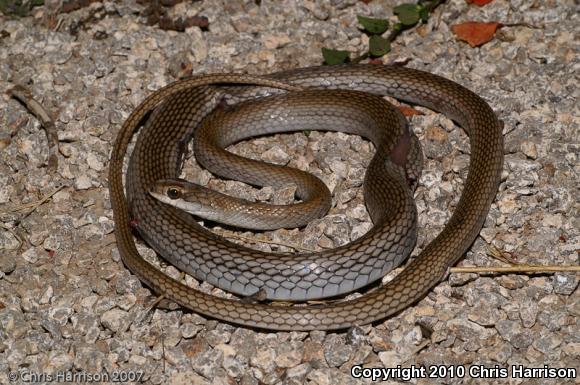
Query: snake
{"points": [[304, 276], [274, 276], [419, 276], [360, 113]]}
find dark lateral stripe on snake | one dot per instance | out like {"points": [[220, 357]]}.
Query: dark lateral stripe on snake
{"points": [[420, 275]]}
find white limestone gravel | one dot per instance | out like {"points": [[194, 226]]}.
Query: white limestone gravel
{"points": [[68, 304]]}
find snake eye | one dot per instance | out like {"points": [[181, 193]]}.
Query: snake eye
{"points": [[173, 193]]}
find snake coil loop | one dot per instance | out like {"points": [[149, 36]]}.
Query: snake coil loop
{"points": [[164, 228]]}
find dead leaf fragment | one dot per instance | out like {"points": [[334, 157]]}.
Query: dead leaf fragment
{"points": [[475, 33], [409, 111], [481, 3]]}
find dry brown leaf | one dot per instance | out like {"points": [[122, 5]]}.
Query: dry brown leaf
{"points": [[409, 111], [475, 33], [481, 3]]}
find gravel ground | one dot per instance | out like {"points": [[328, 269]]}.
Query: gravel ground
{"points": [[68, 305]]}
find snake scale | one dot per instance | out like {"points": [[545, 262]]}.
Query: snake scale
{"points": [[426, 270]]}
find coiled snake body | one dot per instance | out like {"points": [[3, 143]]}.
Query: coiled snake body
{"points": [[458, 103]]}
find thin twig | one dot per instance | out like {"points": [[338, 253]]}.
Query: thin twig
{"points": [[2, 225], [515, 269], [152, 306], [25, 96], [527, 25], [6, 137], [501, 255], [32, 206], [162, 337]]}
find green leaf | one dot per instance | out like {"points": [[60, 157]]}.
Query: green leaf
{"points": [[8, 6], [379, 46], [424, 14], [18, 7], [408, 14], [334, 56], [374, 26]]}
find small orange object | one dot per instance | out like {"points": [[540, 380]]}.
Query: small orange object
{"points": [[475, 33], [481, 3], [409, 111]]}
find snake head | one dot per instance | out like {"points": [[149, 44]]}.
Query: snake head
{"points": [[181, 194]]}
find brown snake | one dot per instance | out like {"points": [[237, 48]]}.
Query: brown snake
{"points": [[346, 111], [289, 276], [458, 103]]}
